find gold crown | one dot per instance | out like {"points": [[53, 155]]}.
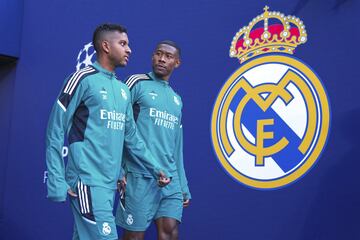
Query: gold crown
{"points": [[278, 33]]}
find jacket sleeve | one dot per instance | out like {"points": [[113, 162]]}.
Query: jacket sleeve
{"points": [[58, 123], [137, 147], [180, 163], [122, 170]]}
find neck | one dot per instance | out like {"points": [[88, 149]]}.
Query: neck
{"points": [[165, 78], [105, 63]]}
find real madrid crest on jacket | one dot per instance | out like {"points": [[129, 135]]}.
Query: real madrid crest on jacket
{"points": [[270, 121]]}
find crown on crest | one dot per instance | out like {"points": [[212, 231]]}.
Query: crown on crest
{"points": [[267, 33]]}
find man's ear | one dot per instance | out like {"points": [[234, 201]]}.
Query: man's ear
{"points": [[105, 46], [177, 62]]}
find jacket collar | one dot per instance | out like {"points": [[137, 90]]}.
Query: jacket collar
{"points": [[153, 76], [103, 70]]}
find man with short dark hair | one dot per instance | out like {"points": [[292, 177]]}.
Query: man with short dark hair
{"points": [[157, 112], [94, 111]]}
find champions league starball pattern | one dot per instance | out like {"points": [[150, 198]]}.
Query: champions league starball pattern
{"points": [[271, 119], [86, 56]]}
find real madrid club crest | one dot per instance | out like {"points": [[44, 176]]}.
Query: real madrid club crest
{"points": [[271, 118]]}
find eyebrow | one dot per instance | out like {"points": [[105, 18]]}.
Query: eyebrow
{"points": [[166, 52]]}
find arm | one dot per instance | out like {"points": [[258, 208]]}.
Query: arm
{"points": [[180, 164], [59, 121], [137, 147]]}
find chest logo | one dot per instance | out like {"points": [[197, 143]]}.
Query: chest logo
{"points": [[153, 95], [271, 118], [123, 94], [103, 93]]}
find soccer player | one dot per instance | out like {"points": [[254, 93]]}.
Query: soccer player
{"points": [[94, 111], [157, 112]]}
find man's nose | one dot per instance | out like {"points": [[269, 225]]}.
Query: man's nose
{"points": [[162, 58]]}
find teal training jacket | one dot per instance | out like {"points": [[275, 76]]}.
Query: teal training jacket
{"points": [[94, 111], [157, 113]]}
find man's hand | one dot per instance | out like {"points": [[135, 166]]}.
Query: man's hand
{"points": [[163, 180], [186, 202], [71, 193], [121, 185]]}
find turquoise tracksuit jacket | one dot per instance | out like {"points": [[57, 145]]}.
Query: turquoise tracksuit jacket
{"points": [[157, 113], [94, 111]]}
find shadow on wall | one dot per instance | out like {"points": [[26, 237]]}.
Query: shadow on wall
{"points": [[7, 79], [334, 213]]}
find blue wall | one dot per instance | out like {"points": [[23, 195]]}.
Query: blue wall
{"points": [[325, 204], [11, 12]]}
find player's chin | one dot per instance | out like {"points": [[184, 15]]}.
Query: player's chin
{"points": [[123, 63], [160, 72]]}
